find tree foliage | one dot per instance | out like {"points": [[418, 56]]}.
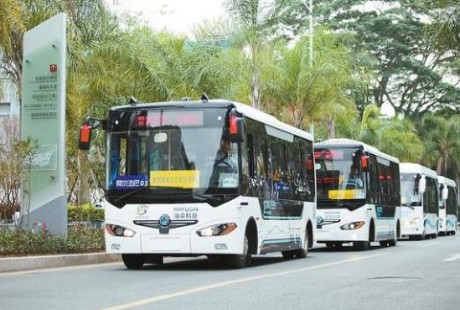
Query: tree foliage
{"points": [[364, 56], [408, 74]]}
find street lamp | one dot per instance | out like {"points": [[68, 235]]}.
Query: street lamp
{"points": [[309, 7]]}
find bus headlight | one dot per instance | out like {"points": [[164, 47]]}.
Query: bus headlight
{"points": [[353, 226], [217, 230], [119, 231]]}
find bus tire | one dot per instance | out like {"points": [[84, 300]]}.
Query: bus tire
{"points": [[288, 254], [303, 252], [133, 261], [361, 245], [393, 242], [236, 261]]}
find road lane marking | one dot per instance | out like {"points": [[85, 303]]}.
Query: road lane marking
{"points": [[151, 300], [55, 269], [453, 257], [428, 244]]}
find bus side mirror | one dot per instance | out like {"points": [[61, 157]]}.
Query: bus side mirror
{"points": [[364, 162], [422, 185], [236, 129], [85, 137], [445, 193]]}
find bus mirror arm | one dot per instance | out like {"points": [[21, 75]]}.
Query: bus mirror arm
{"points": [[86, 129], [96, 123]]}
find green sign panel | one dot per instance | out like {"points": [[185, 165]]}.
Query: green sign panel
{"points": [[43, 120]]}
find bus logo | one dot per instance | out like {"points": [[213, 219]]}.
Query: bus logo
{"points": [[164, 220], [142, 210]]}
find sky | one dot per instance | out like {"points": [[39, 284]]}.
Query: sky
{"points": [[176, 16]]}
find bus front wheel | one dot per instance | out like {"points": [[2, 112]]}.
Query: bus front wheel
{"points": [[239, 261], [361, 245], [133, 261]]}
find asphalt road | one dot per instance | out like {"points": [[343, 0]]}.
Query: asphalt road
{"points": [[413, 275]]}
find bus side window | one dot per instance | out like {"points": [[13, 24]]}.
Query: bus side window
{"points": [[251, 158]]}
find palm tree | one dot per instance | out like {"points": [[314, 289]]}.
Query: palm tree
{"points": [[442, 143], [308, 93], [256, 19], [397, 137], [445, 29], [10, 19]]}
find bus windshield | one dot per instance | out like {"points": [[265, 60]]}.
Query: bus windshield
{"points": [[409, 189], [168, 150], [339, 174]]}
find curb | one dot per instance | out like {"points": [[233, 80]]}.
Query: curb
{"points": [[10, 264]]}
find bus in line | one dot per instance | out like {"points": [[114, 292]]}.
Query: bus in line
{"points": [[206, 177], [420, 201], [448, 208], [358, 192]]}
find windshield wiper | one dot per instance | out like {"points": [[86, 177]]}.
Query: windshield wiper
{"points": [[202, 197], [128, 194]]}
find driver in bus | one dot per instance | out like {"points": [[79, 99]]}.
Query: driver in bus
{"points": [[354, 180], [223, 157], [224, 165]]}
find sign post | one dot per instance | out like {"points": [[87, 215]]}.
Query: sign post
{"points": [[43, 202]]}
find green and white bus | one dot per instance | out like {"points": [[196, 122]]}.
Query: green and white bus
{"points": [[358, 194], [448, 208], [215, 178], [420, 201]]}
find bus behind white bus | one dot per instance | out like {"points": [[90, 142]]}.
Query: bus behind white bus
{"points": [[420, 201], [215, 178], [448, 208], [358, 194]]}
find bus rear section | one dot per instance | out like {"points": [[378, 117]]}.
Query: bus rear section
{"points": [[181, 181], [358, 194], [420, 201], [448, 208]]}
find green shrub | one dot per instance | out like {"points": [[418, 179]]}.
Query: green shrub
{"points": [[85, 212], [80, 239]]}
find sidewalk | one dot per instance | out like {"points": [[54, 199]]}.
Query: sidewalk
{"points": [[9, 264]]}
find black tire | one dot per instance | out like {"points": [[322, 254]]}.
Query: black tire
{"points": [[133, 261], [303, 252], [239, 261], [361, 245], [393, 242], [384, 244], [155, 259], [288, 254]]}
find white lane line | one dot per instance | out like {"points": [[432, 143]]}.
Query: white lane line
{"points": [[55, 269], [146, 301], [453, 257], [428, 244]]}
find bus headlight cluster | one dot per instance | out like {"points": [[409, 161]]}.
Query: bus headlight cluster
{"points": [[217, 230], [119, 231], [353, 226]]}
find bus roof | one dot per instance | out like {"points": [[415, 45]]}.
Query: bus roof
{"points": [[242, 108], [355, 143], [417, 168], [447, 181]]}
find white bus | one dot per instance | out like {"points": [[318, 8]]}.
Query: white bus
{"points": [[420, 201], [215, 178], [358, 194], [448, 208]]}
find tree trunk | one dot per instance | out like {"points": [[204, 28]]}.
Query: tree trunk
{"points": [[330, 127]]}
